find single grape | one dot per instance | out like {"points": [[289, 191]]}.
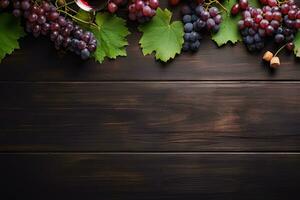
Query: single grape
{"points": [[194, 36], [243, 4], [218, 19], [195, 45], [25, 5], [187, 19], [235, 9], [185, 47], [213, 11], [290, 46], [85, 54], [17, 12], [188, 27], [279, 38], [210, 23]]}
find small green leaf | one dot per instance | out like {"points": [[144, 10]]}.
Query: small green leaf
{"points": [[161, 36], [297, 45], [110, 32], [229, 31], [10, 32]]}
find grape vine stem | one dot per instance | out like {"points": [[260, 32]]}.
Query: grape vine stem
{"points": [[278, 51], [66, 4], [78, 19], [216, 2]]}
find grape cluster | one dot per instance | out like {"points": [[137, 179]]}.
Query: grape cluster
{"points": [[281, 22], [45, 19], [197, 20], [290, 24], [257, 24], [142, 10], [139, 10]]}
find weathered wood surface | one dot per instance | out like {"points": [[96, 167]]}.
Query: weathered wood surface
{"points": [[34, 62], [149, 176], [150, 116], [215, 125]]}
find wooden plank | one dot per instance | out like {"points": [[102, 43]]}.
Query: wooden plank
{"points": [[150, 116], [140, 176], [35, 62], [38, 60]]}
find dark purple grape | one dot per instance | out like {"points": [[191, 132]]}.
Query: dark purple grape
{"points": [[279, 38], [32, 17], [85, 54], [290, 46], [213, 11], [25, 5], [17, 12], [210, 23]]}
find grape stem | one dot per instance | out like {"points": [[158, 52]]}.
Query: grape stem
{"points": [[217, 2], [78, 19], [71, 9], [280, 2], [66, 4], [278, 51]]}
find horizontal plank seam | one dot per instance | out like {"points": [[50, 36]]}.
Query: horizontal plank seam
{"points": [[157, 81], [154, 153]]}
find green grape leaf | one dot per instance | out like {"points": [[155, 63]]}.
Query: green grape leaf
{"points": [[110, 31], [161, 36], [229, 31], [10, 32], [297, 45]]}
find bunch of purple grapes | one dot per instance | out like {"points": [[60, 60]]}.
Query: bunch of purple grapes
{"points": [[142, 10], [44, 19], [139, 10], [290, 24], [257, 24], [197, 20], [281, 22]]}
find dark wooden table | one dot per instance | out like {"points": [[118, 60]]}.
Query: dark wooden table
{"points": [[215, 125]]}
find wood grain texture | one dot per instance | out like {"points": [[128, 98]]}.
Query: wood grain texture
{"points": [[134, 128], [150, 116], [39, 61], [210, 63], [140, 177]]}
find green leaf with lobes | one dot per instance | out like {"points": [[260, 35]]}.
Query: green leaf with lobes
{"points": [[161, 36], [10, 32], [297, 45], [110, 31], [229, 31]]}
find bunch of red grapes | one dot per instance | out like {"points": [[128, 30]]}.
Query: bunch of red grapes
{"points": [[280, 22], [45, 19], [139, 10]]}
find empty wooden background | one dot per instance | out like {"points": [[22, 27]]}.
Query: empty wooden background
{"points": [[216, 125]]}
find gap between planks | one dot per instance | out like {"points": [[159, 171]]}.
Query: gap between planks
{"points": [[148, 153], [161, 81]]}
